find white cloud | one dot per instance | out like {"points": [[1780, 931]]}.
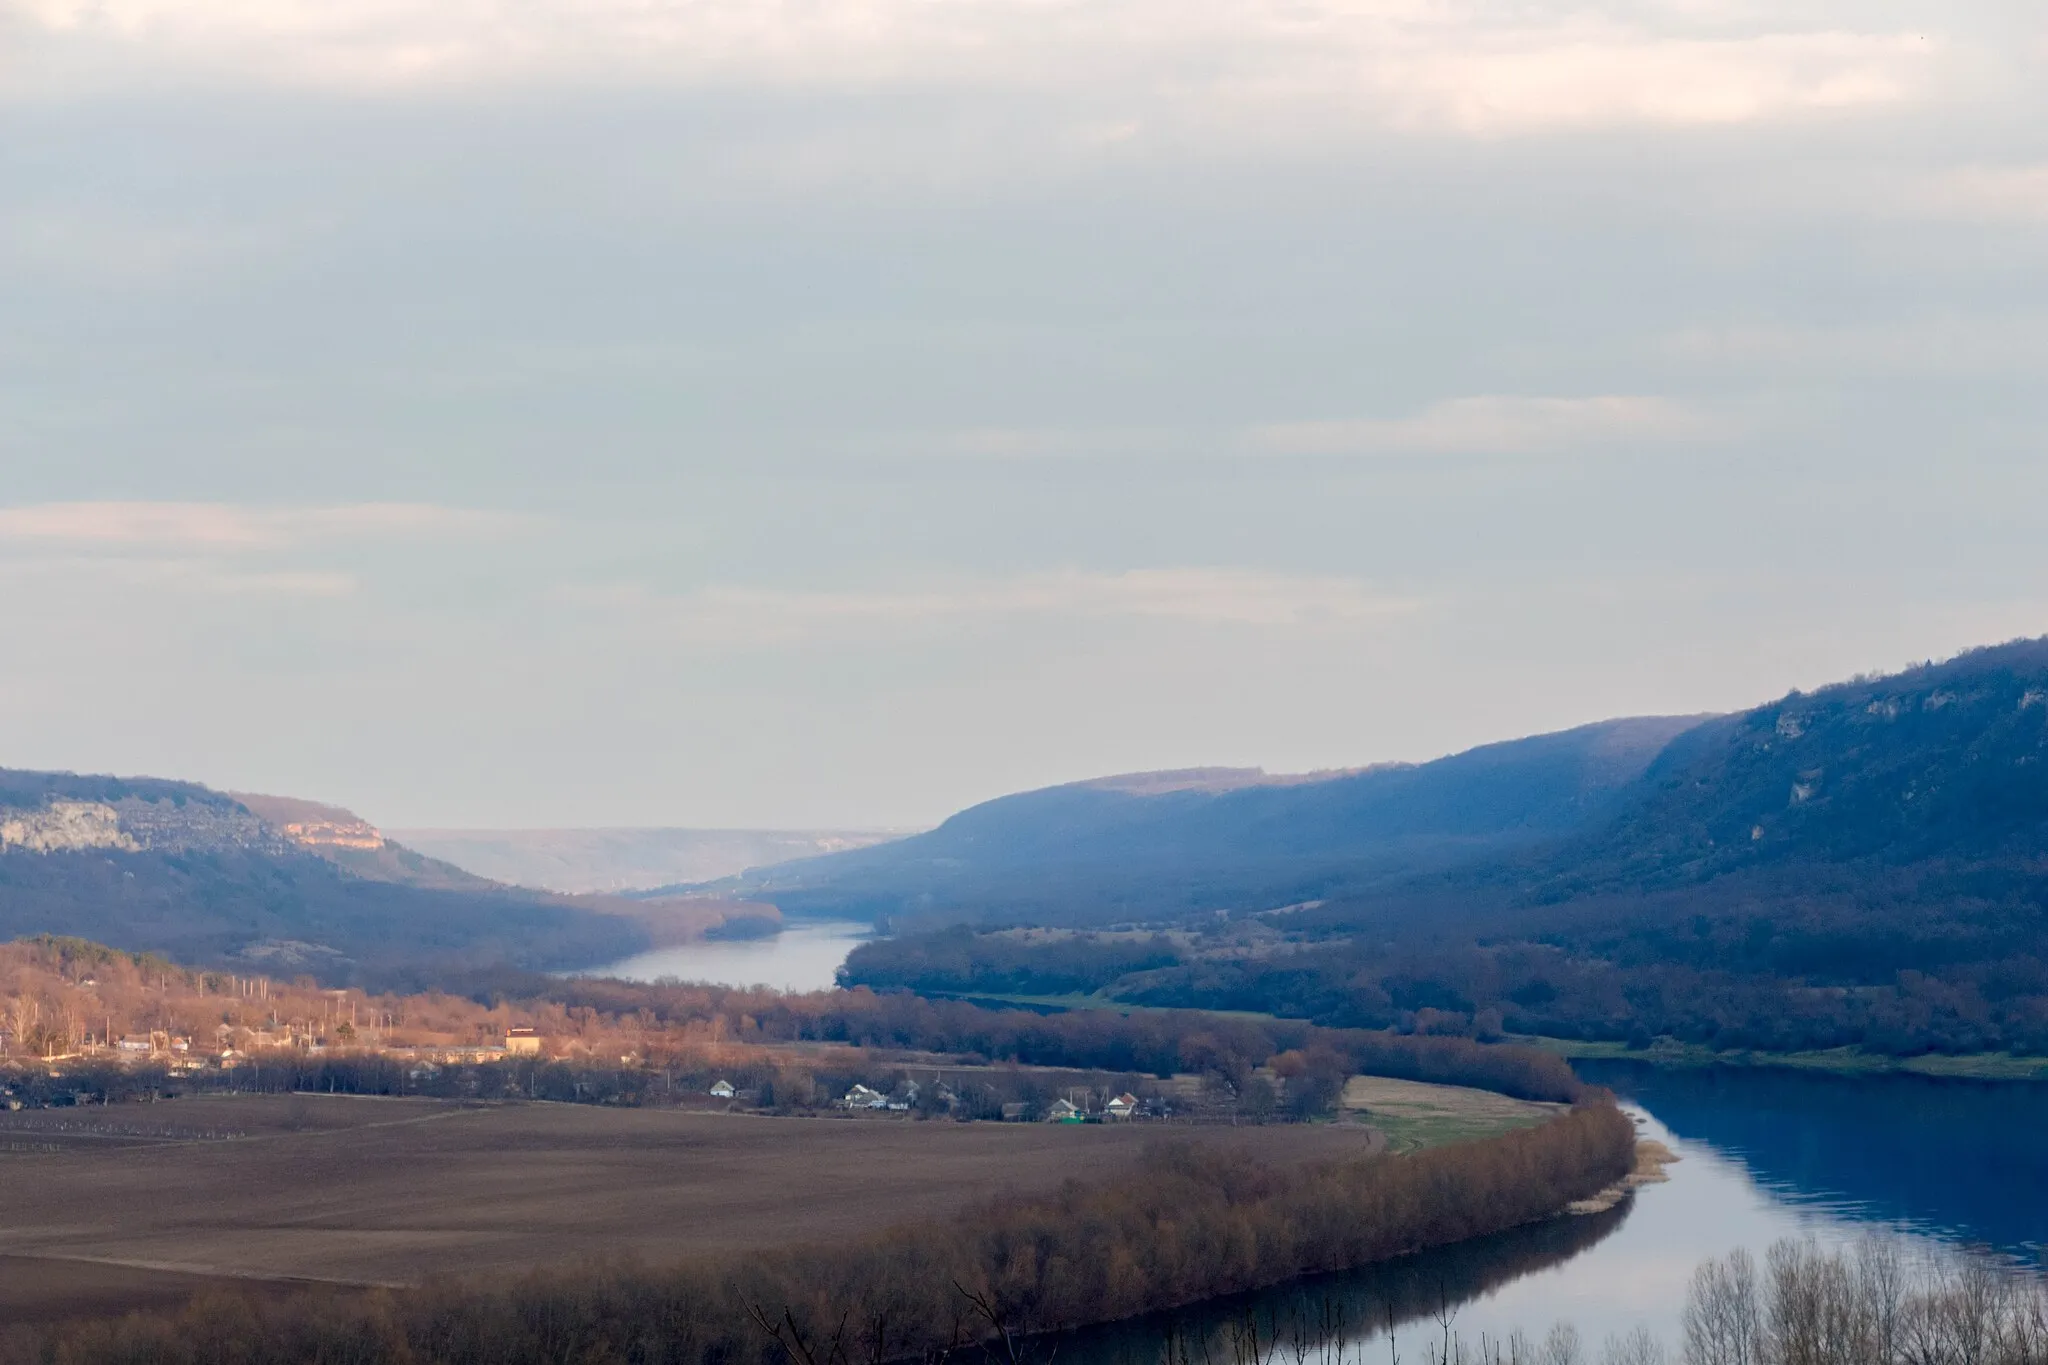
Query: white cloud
{"points": [[1995, 193], [731, 616], [1441, 63], [1948, 344], [1492, 425], [139, 578], [217, 527], [1571, 75]]}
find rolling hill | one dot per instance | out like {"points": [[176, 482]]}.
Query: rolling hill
{"points": [[1158, 845], [625, 861], [271, 883], [1865, 864]]}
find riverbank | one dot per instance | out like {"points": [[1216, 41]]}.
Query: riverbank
{"points": [[1193, 1219], [1841, 1061]]}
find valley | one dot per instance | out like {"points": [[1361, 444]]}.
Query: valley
{"points": [[366, 1191]]}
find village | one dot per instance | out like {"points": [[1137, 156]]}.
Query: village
{"points": [[81, 1024], [338, 1054], [235, 1059]]}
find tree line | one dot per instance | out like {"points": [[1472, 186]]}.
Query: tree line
{"points": [[1777, 970], [1192, 1223]]}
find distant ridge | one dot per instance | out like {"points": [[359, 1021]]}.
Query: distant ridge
{"points": [[1153, 845], [586, 861], [1216, 780], [1861, 865], [212, 877], [347, 840]]}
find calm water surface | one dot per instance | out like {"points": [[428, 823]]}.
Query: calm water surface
{"points": [[802, 957], [1764, 1155]]}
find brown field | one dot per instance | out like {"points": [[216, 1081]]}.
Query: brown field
{"points": [[1413, 1114], [117, 1207]]}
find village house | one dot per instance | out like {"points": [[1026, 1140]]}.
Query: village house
{"points": [[1063, 1111], [722, 1090], [860, 1097], [1124, 1106], [522, 1042]]}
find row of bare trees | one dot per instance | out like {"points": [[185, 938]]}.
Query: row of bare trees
{"points": [[61, 988], [1865, 1305], [1193, 1223], [1868, 1304]]}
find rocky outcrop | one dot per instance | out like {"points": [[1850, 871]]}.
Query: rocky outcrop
{"points": [[134, 825], [311, 825], [192, 827], [64, 827]]}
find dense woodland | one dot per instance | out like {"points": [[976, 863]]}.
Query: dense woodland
{"points": [[254, 909], [1866, 865], [1862, 865], [1735, 983], [1192, 1224], [631, 1043]]}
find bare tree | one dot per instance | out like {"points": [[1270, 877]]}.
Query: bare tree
{"points": [[1722, 1321], [1637, 1347]]}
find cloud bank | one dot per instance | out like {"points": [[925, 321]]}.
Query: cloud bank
{"points": [[1470, 67], [1492, 425], [733, 616], [218, 527]]}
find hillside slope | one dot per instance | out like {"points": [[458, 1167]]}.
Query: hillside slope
{"points": [[1155, 845], [352, 843], [202, 876], [1944, 761], [584, 861], [1865, 864]]}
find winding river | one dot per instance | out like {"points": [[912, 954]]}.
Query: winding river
{"points": [[1764, 1154]]}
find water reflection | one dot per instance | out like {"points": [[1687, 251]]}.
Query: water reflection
{"points": [[1322, 1317], [803, 957], [1961, 1161], [1763, 1155]]}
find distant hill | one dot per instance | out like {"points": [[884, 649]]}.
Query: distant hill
{"points": [[211, 877], [626, 860], [1157, 845], [348, 841], [1866, 864], [1946, 761]]}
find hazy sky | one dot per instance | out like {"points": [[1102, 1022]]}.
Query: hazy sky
{"points": [[749, 412]]}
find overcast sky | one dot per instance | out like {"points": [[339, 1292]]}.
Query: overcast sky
{"points": [[784, 412]]}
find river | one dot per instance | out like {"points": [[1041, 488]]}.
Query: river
{"points": [[1764, 1154], [803, 957]]}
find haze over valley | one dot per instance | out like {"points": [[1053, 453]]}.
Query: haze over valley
{"points": [[1283, 682], [593, 860]]}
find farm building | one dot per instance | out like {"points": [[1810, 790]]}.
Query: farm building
{"points": [[522, 1042]]}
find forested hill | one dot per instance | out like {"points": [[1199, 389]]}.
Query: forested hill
{"points": [[268, 883], [1865, 864], [1948, 761], [1160, 844]]}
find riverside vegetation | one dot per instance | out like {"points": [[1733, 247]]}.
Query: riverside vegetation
{"points": [[1857, 866], [1186, 1221], [1190, 1223], [1863, 1305], [638, 1044]]}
